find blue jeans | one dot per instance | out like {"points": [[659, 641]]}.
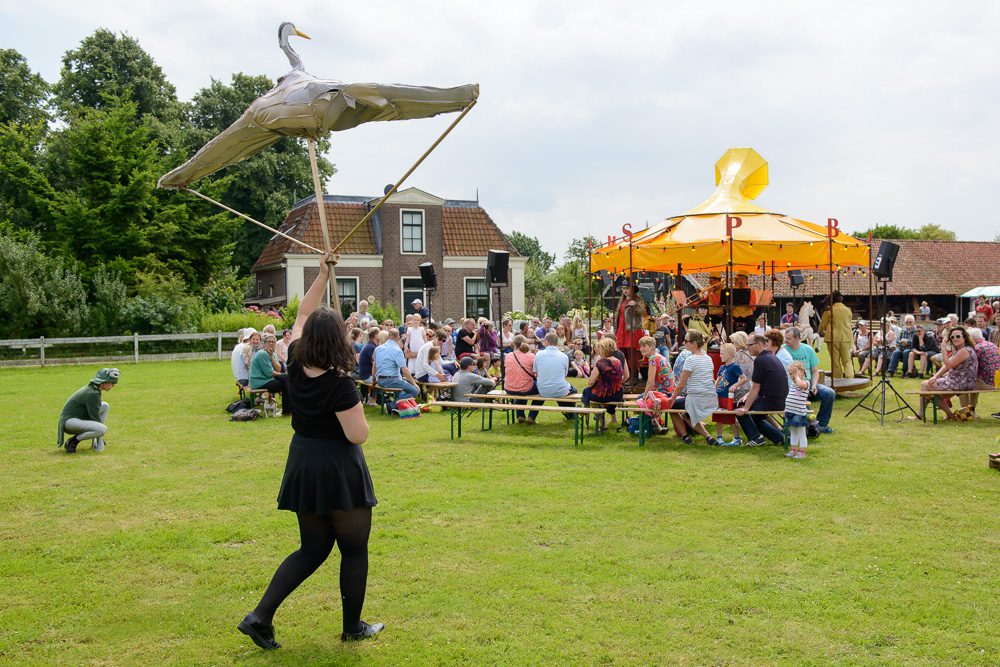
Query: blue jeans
{"points": [[407, 390], [897, 355], [754, 426], [826, 396], [532, 414]]}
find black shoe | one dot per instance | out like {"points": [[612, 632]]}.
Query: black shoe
{"points": [[365, 632], [71, 445], [260, 632]]}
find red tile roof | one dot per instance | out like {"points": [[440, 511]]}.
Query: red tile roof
{"points": [[303, 224], [468, 230], [922, 268]]}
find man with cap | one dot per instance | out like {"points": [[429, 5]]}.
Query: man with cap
{"points": [[835, 327], [84, 414], [468, 381]]}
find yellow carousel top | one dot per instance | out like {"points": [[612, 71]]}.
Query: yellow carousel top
{"points": [[729, 229]]}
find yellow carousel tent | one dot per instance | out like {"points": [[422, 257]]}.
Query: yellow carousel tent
{"points": [[729, 231]]}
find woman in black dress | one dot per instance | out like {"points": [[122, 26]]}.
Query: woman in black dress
{"points": [[326, 481]]}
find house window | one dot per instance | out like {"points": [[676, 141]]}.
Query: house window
{"points": [[347, 291], [270, 290], [412, 288], [260, 288], [477, 298], [412, 232]]}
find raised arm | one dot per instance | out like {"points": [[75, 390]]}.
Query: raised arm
{"points": [[314, 294]]}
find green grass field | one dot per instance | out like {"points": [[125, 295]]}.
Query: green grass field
{"points": [[508, 547]]}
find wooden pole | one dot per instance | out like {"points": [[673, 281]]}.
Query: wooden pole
{"points": [[405, 176], [321, 209], [249, 219]]}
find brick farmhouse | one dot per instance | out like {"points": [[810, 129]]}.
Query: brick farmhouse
{"points": [[382, 258]]}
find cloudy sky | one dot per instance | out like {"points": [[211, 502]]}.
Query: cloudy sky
{"points": [[594, 114]]}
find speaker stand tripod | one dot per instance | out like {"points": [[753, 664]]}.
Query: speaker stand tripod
{"points": [[884, 385]]}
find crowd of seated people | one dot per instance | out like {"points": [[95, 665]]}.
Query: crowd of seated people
{"points": [[541, 354]]}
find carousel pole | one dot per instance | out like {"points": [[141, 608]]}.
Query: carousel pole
{"points": [[679, 284], [831, 342], [321, 209], [731, 279]]}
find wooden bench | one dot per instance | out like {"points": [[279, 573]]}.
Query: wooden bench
{"points": [[457, 409], [629, 406], [933, 395], [384, 396], [437, 389]]}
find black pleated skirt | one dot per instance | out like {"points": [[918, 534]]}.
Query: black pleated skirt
{"points": [[323, 475]]}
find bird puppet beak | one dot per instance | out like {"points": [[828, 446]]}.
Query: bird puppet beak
{"points": [[302, 34]]}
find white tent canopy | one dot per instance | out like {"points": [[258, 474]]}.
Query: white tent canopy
{"points": [[992, 290]]}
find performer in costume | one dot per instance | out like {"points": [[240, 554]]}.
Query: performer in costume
{"points": [[632, 311], [743, 316], [836, 330]]}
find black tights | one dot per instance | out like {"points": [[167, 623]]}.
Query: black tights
{"points": [[349, 529]]}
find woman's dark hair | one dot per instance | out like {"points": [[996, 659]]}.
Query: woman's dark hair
{"points": [[324, 342], [966, 339]]}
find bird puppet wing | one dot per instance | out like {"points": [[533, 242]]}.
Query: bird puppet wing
{"points": [[302, 106]]}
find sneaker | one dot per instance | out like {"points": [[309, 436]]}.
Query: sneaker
{"points": [[995, 415], [759, 442], [520, 420], [790, 453], [687, 439], [99, 445], [719, 442], [824, 429], [799, 455], [735, 442], [366, 631], [71, 445]]}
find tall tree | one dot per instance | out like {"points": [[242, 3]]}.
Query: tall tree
{"points": [[530, 247], [24, 95], [107, 68], [103, 166], [263, 186], [928, 232]]}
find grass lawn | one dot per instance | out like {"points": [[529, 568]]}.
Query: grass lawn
{"points": [[508, 547]]}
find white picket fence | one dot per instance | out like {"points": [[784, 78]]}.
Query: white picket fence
{"points": [[27, 347]]}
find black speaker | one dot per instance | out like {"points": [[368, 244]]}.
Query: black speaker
{"points": [[496, 267], [885, 260], [427, 276], [795, 278]]}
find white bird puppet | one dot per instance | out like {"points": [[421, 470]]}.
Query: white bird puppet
{"points": [[301, 105]]}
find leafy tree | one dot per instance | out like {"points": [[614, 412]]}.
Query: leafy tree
{"points": [[25, 94], [25, 191], [928, 232], [39, 295], [225, 291], [162, 304], [263, 186], [107, 68], [103, 167], [109, 298], [530, 247]]}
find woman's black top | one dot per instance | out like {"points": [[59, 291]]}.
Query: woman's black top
{"points": [[316, 400]]}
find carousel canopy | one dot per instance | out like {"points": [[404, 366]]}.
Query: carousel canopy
{"points": [[728, 229]]}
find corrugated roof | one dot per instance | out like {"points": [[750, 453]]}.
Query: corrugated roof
{"points": [[468, 229]]}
